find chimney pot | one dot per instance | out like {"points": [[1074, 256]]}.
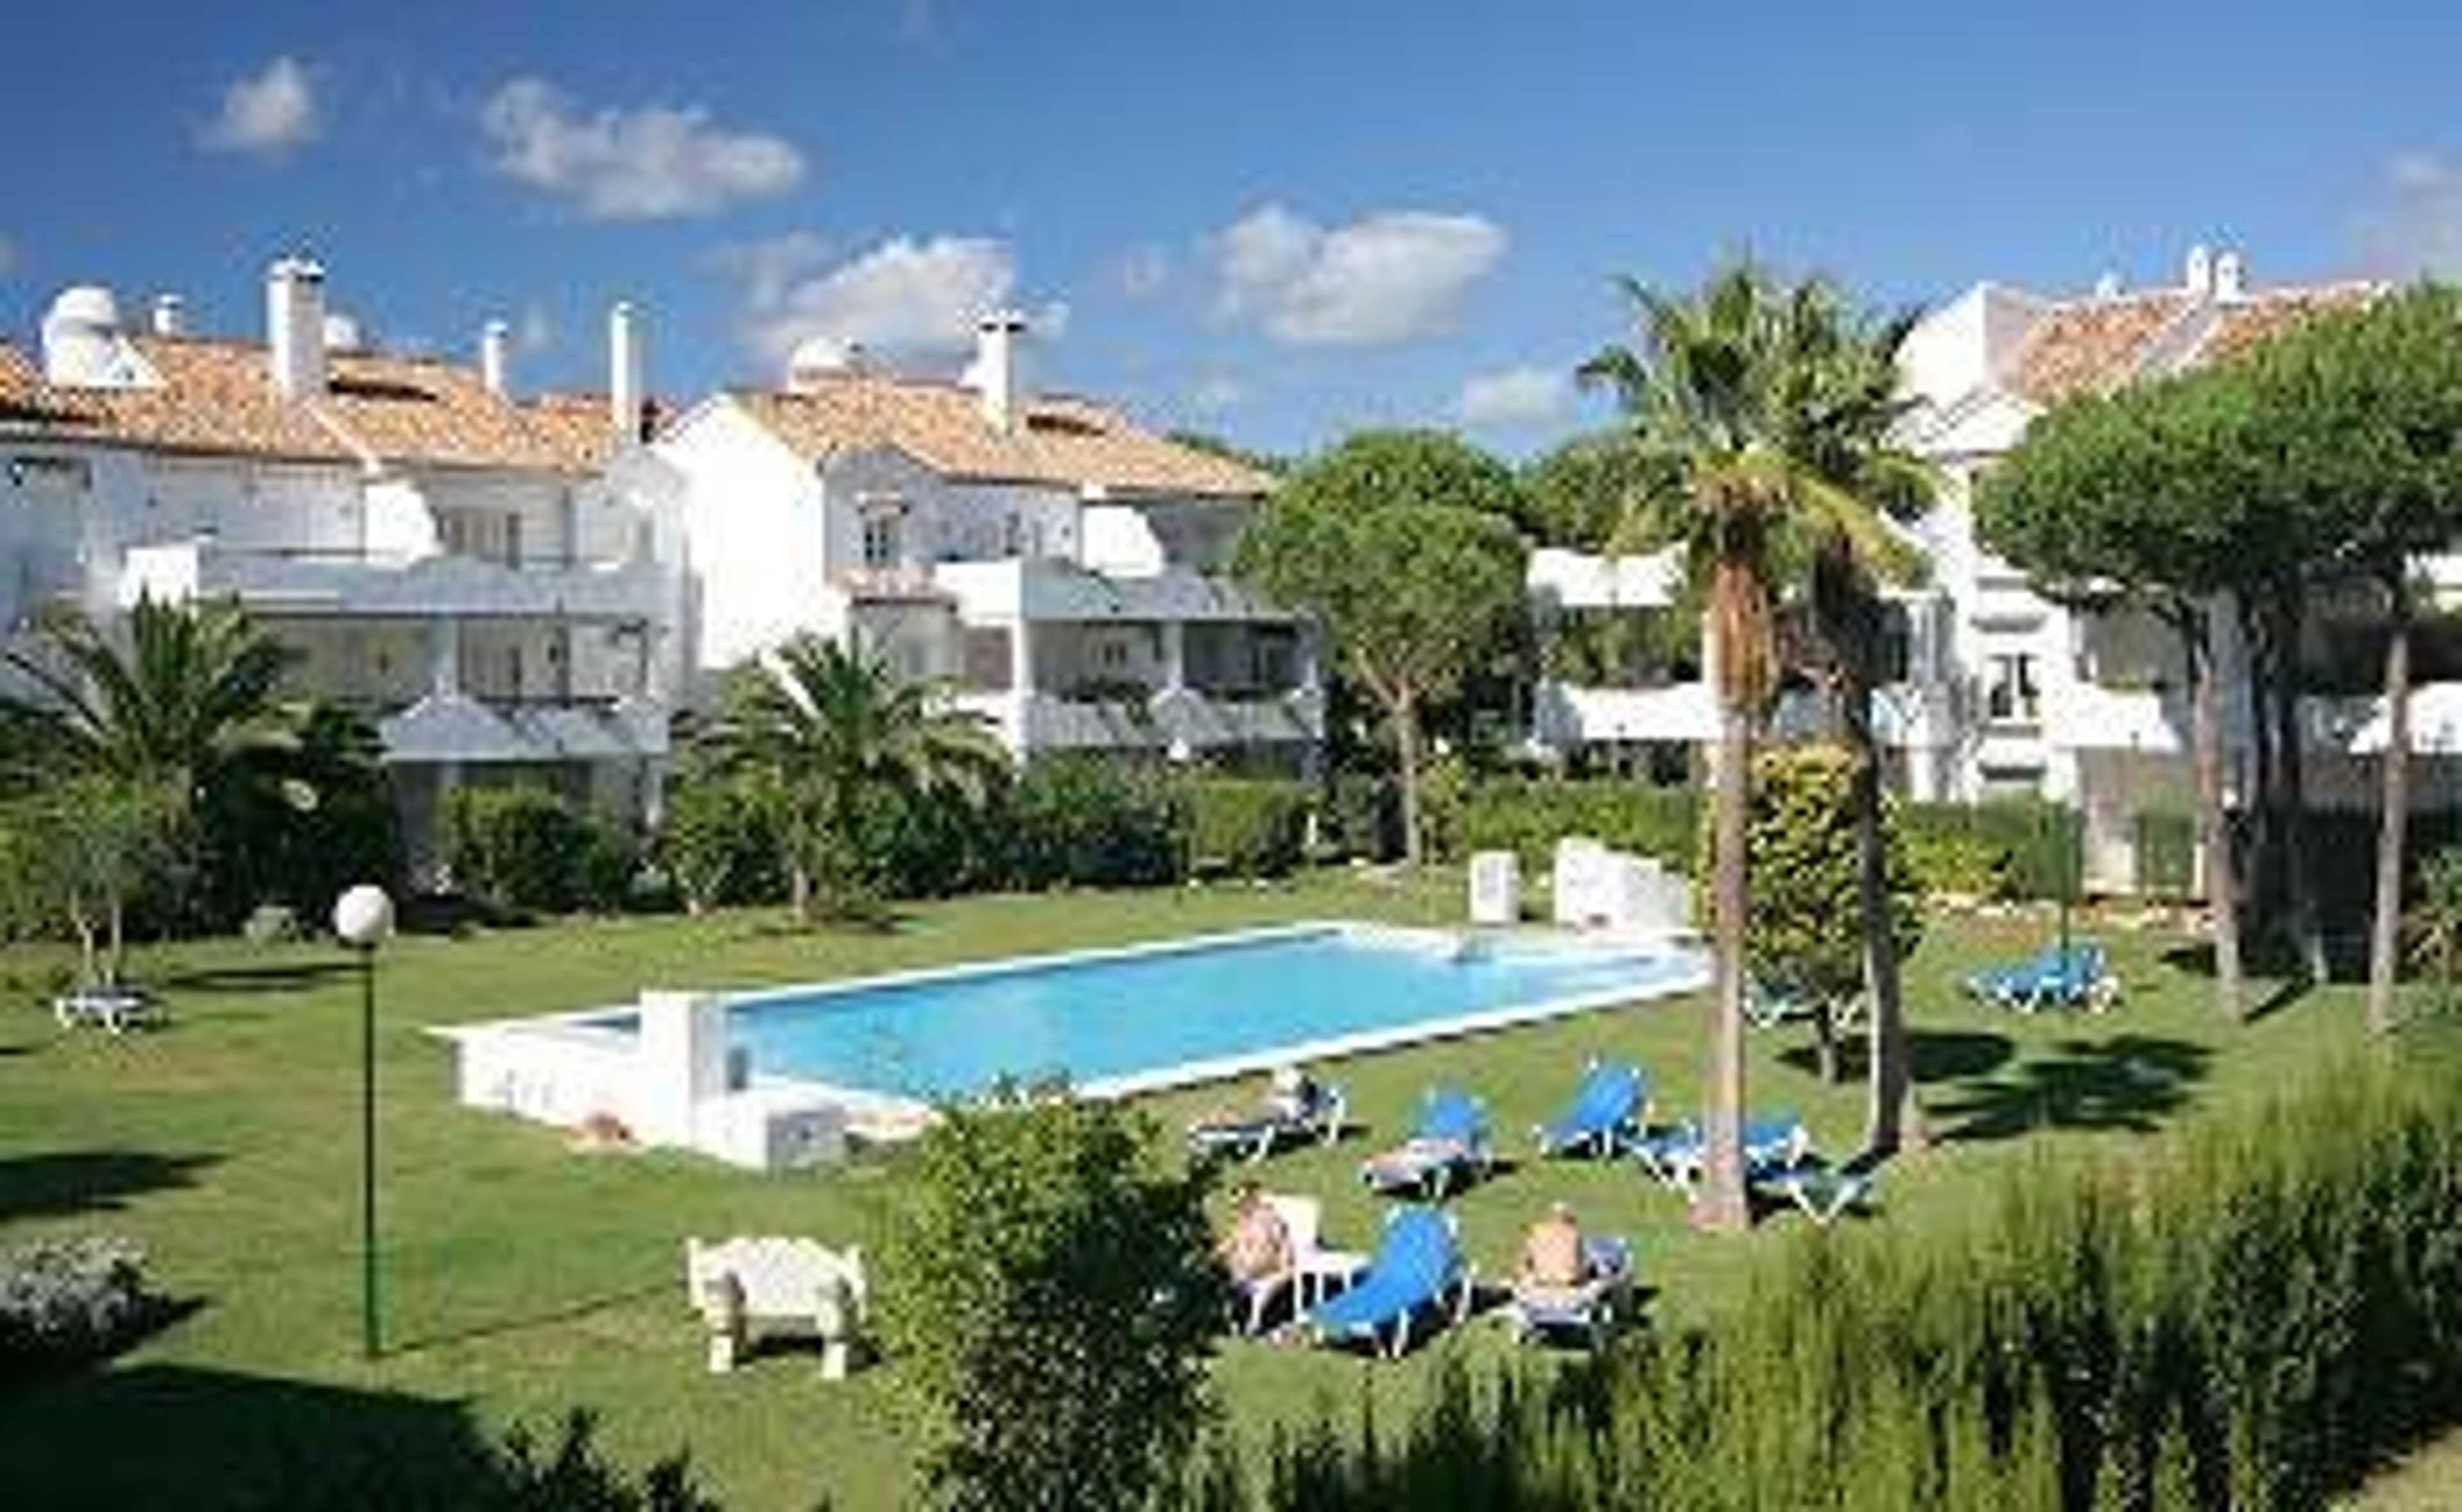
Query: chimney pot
{"points": [[2107, 287], [2231, 276], [998, 377], [294, 322], [624, 384], [496, 358], [170, 315], [2197, 271]]}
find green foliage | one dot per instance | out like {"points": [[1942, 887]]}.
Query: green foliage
{"points": [[2023, 847], [295, 822], [2165, 847], [523, 847], [1528, 816], [1578, 492], [1084, 821], [1249, 827], [78, 852], [2254, 1320], [1401, 546], [518, 1474], [1051, 1300], [719, 842], [1359, 817], [1808, 917], [831, 730]]}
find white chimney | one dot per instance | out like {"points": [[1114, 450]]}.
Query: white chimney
{"points": [[496, 358], [2107, 287], [81, 344], [343, 334], [294, 327], [170, 315], [624, 393], [2231, 276], [1000, 339], [2198, 270]]}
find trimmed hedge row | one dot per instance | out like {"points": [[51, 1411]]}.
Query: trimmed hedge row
{"points": [[2252, 1318]]}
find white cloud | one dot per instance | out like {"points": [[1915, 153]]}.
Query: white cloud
{"points": [[1515, 397], [657, 162], [1387, 278], [904, 298], [2416, 224], [268, 115]]}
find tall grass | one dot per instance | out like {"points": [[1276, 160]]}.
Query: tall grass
{"points": [[2250, 1315]]}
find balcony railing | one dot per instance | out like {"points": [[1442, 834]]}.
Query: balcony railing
{"points": [[277, 582]]}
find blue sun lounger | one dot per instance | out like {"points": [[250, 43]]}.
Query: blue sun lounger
{"points": [[2073, 976], [1418, 1265], [1773, 1146], [1449, 1139], [1607, 1109]]}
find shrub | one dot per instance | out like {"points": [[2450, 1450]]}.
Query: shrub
{"points": [[1084, 821], [1249, 827], [1528, 816], [1955, 862], [719, 840], [524, 848], [1359, 817], [1052, 1305], [66, 1301], [340, 1467]]}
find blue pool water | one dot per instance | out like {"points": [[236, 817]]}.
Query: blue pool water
{"points": [[1217, 1005]]}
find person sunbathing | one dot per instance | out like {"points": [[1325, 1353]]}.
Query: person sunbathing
{"points": [[1258, 1246], [1552, 1257]]}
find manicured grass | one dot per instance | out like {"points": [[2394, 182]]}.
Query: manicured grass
{"points": [[522, 1279]]}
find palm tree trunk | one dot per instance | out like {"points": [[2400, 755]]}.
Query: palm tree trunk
{"points": [[2384, 942], [2206, 697], [1722, 1205], [1406, 752], [1890, 1115]]}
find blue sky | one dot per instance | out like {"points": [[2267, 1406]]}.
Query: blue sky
{"points": [[1273, 219]]}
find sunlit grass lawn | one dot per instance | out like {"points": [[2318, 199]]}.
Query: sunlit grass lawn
{"points": [[521, 1280]]}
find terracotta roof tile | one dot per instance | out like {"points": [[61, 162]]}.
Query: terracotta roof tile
{"points": [[1064, 443], [576, 426], [218, 397], [2091, 345], [2243, 325]]}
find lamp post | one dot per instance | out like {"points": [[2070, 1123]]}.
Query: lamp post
{"points": [[363, 916]]}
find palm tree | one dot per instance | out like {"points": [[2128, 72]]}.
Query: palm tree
{"points": [[1716, 387], [191, 689], [824, 728]]}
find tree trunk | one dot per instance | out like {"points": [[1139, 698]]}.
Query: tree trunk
{"points": [[2206, 695], [1890, 1116], [2291, 766], [90, 969], [1406, 753], [799, 889], [2384, 942], [1722, 1205], [2262, 882], [115, 918]]}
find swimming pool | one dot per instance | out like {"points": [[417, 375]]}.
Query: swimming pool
{"points": [[1125, 1021]]}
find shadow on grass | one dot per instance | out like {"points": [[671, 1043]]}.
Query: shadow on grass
{"points": [[1936, 1055], [294, 976], [2126, 1081], [166, 1436], [65, 1183]]}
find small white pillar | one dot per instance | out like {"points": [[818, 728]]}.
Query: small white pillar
{"points": [[1495, 888], [1175, 655], [444, 657], [683, 1063]]}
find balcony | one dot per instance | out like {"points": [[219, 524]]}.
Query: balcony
{"points": [[454, 727], [1049, 589], [422, 587], [1163, 723]]}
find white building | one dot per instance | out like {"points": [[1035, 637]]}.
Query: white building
{"points": [[447, 558], [2006, 694], [1062, 567]]}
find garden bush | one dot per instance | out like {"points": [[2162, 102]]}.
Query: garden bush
{"points": [[1088, 822], [1359, 819], [1528, 816], [2250, 1316], [524, 848], [719, 843], [63, 1301], [1250, 826]]}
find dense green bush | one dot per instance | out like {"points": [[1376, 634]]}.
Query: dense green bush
{"points": [[524, 848], [1359, 819], [1052, 1300], [64, 1301], [1084, 821], [2036, 845], [1250, 826], [456, 1471], [719, 842], [2250, 1316], [1528, 816]]}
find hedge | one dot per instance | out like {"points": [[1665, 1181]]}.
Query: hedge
{"points": [[2249, 1316], [1527, 817], [1249, 827], [524, 848]]}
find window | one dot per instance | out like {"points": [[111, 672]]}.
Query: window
{"points": [[2009, 695], [880, 534], [51, 474]]}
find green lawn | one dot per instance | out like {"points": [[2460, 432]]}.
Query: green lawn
{"points": [[522, 1279]]}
